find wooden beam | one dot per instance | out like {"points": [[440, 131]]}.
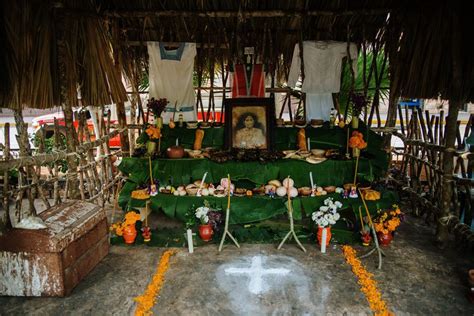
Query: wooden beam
{"points": [[47, 158], [239, 14]]}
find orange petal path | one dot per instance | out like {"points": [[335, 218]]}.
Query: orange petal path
{"points": [[367, 285], [146, 301]]}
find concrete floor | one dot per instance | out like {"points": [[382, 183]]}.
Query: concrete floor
{"points": [[416, 279]]}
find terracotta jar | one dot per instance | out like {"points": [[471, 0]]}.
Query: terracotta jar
{"points": [[175, 152], [384, 239], [129, 234], [206, 232], [320, 234]]}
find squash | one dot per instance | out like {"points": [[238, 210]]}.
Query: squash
{"points": [[140, 194], [199, 135], [371, 195]]}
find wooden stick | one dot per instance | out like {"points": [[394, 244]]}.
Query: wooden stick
{"points": [[151, 173], [371, 225], [6, 157], [361, 220], [226, 226], [290, 215], [117, 191], [356, 167]]}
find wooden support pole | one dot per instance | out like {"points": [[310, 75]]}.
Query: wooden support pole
{"points": [[71, 142], [291, 232], [226, 225], [391, 118], [5, 220], [448, 138], [25, 151]]}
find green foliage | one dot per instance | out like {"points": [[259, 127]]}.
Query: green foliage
{"points": [[346, 79], [49, 149], [190, 217]]}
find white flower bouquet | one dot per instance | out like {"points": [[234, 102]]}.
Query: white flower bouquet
{"points": [[328, 213], [201, 213]]}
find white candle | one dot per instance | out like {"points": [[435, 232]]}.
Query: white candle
{"points": [[201, 184], [190, 240], [323, 240], [176, 142], [311, 179], [309, 145]]}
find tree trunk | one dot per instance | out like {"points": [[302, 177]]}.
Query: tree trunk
{"points": [[448, 168], [71, 141], [25, 151], [391, 118], [455, 103]]}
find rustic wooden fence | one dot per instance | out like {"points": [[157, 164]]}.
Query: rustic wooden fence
{"points": [[39, 180], [419, 169]]}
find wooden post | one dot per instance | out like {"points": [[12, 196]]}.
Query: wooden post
{"points": [[5, 220], [25, 150], [71, 142], [391, 118], [449, 135], [57, 146], [121, 116], [448, 168]]}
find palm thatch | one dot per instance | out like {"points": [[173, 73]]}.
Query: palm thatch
{"points": [[85, 46]]}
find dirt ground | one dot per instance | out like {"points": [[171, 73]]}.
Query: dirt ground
{"points": [[416, 279]]}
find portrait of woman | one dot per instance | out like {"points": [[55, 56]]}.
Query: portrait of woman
{"points": [[249, 123], [249, 132]]}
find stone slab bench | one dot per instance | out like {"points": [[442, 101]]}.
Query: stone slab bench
{"points": [[52, 261]]}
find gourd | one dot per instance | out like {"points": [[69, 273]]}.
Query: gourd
{"points": [[199, 135], [301, 141], [371, 195]]}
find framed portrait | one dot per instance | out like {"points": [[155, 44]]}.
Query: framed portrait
{"points": [[249, 123]]}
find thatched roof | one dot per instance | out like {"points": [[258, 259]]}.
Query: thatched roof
{"points": [[86, 44]]}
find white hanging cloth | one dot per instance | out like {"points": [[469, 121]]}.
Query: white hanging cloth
{"points": [[322, 68], [171, 77]]}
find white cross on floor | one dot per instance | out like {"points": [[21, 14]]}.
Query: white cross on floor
{"points": [[256, 273]]}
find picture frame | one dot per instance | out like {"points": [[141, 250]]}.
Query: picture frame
{"points": [[249, 123]]}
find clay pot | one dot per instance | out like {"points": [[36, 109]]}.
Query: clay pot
{"points": [[206, 232], [129, 234], [328, 234], [384, 239], [175, 152]]}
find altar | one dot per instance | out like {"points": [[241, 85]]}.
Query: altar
{"points": [[250, 174]]}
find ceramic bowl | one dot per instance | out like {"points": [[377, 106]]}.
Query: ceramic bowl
{"points": [[316, 123], [330, 189], [318, 152], [194, 153], [300, 123], [175, 152], [304, 191], [191, 189], [192, 124], [304, 154], [205, 125]]}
